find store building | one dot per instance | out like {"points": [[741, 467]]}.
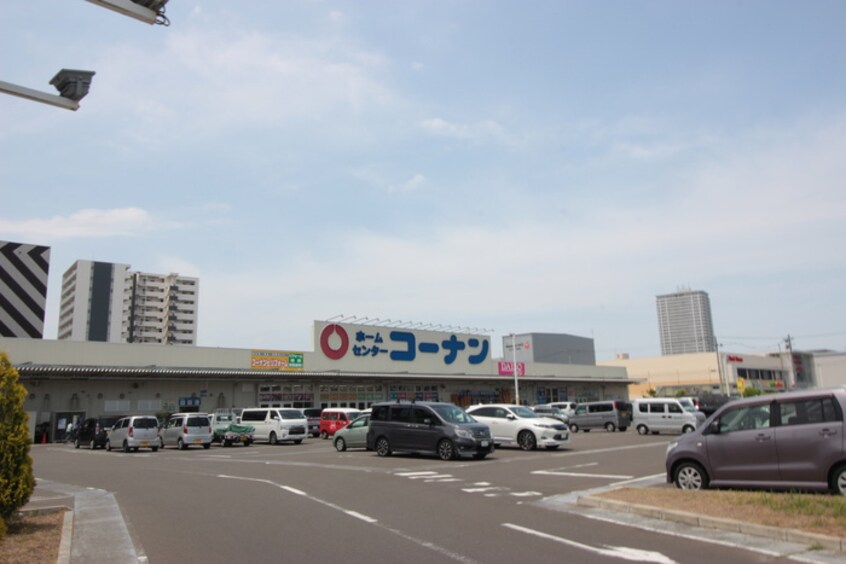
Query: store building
{"points": [[351, 366], [713, 372]]}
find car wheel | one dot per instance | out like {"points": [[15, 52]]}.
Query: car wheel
{"points": [[340, 444], [155, 449], [526, 440], [383, 447], [108, 446], [446, 450], [574, 428], [125, 446], [687, 429], [324, 435], [838, 480], [690, 476], [206, 446], [180, 444], [642, 429], [298, 442], [272, 439], [610, 427]]}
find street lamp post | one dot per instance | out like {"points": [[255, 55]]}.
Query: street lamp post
{"points": [[514, 358]]}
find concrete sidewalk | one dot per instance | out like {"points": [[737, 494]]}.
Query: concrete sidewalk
{"points": [[94, 530]]}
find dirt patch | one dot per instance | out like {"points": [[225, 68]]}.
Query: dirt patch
{"points": [[812, 513], [32, 539]]}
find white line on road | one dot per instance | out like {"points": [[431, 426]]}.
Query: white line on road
{"points": [[621, 552], [581, 475], [370, 520]]}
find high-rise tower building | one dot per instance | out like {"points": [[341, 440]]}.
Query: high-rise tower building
{"points": [[104, 301], [23, 289], [684, 322]]}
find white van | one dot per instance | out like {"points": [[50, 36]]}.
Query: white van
{"points": [[665, 415], [276, 424]]}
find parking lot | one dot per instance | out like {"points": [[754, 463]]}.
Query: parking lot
{"points": [[294, 503]]}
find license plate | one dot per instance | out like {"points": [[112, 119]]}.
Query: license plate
{"points": [[145, 443], [198, 441], [485, 444]]}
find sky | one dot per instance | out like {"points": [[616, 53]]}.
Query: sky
{"points": [[550, 166]]}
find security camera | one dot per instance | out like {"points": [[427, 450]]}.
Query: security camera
{"points": [[155, 5], [72, 84]]}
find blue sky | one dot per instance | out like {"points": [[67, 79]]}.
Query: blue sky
{"points": [[546, 167]]}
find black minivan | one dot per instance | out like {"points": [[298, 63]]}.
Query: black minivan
{"points": [[437, 428], [95, 430]]}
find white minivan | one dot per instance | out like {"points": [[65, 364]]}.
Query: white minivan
{"points": [[276, 424], [664, 415]]}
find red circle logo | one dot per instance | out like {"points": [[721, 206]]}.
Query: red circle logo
{"points": [[326, 347]]}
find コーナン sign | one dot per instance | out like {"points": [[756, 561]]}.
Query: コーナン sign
{"points": [[338, 341]]}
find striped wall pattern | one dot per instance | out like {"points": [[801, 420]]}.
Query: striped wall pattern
{"points": [[23, 289]]}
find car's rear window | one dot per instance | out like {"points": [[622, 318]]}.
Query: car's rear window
{"points": [[198, 421], [145, 423]]}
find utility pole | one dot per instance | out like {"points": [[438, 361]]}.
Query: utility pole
{"points": [[788, 341]]}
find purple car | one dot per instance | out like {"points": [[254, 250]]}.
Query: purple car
{"points": [[792, 440]]}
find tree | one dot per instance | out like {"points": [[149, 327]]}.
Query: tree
{"points": [[16, 477]]}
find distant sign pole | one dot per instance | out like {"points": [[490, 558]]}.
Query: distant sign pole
{"points": [[514, 358]]}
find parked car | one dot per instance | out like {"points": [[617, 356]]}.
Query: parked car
{"points": [[353, 435], [611, 415], [429, 428], [568, 407], [334, 418], [792, 440], [313, 416], [227, 431], [552, 412], [94, 431], [665, 415], [276, 424], [519, 425], [187, 429], [134, 432]]}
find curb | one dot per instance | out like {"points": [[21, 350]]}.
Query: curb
{"points": [[788, 535]]}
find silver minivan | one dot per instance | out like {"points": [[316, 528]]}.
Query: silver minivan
{"points": [[792, 440], [664, 415], [611, 415], [134, 432], [187, 429]]}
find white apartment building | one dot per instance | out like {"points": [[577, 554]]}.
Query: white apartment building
{"points": [[684, 322], [108, 303]]}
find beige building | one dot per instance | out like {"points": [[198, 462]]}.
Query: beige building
{"points": [[704, 372]]}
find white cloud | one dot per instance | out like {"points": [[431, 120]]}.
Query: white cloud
{"points": [[482, 131], [202, 81], [411, 185], [121, 222]]}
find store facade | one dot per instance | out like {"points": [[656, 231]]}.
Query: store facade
{"points": [[351, 366]]}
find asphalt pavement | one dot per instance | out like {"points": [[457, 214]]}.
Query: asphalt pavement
{"points": [[100, 531]]}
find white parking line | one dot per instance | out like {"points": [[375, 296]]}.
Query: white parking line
{"points": [[370, 520], [582, 475], [409, 474], [622, 552]]}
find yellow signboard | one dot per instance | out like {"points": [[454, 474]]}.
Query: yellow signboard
{"points": [[276, 360]]}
